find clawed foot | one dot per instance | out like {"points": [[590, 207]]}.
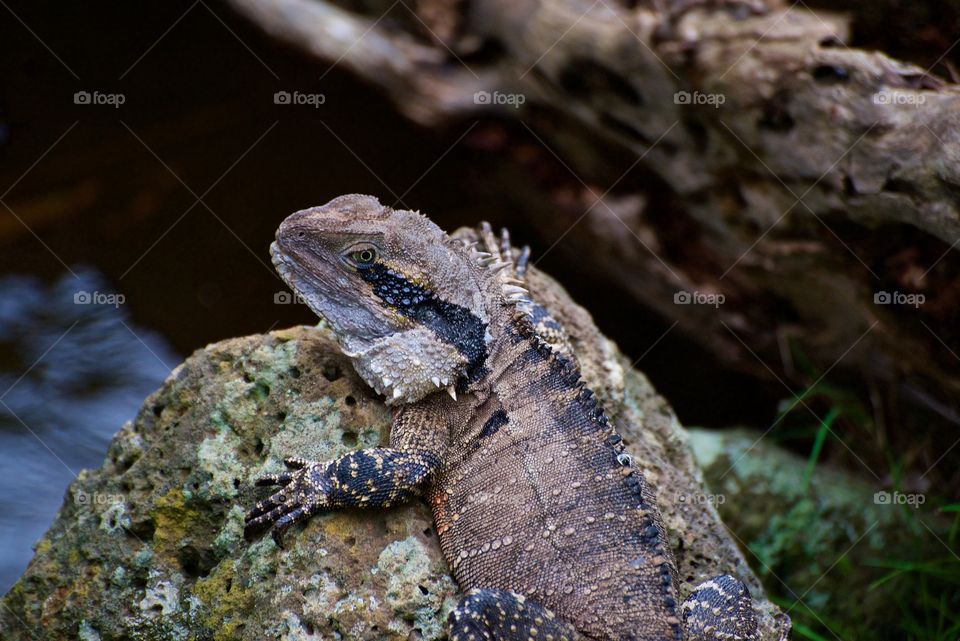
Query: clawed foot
{"points": [[304, 493]]}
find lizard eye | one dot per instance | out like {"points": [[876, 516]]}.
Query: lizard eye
{"points": [[362, 257]]}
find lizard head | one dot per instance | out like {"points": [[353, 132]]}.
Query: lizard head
{"points": [[405, 301]]}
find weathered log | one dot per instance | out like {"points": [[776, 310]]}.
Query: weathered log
{"points": [[812, 188]]}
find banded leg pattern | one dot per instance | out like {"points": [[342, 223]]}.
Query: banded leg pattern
{"points": [[376, 477]]}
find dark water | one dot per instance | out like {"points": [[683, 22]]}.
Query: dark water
{"points": [[73, 368]]}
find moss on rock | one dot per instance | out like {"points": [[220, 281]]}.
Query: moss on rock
{"points": [[817, 539]]}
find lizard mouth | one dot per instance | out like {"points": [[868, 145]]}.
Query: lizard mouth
{"points": [[303, 285], [280, 262], [289, 272]]}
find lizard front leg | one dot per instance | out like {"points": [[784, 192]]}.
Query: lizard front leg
{"points": [[377, 477]]}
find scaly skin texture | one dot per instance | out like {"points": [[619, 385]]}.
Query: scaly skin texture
{"points": [[545, 524]]}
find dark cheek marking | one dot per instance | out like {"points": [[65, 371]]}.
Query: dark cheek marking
{"points": [[453, 324]]}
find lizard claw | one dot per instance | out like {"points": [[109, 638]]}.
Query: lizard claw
{"points": [[302, 493], [296, 463], [273, 479]]}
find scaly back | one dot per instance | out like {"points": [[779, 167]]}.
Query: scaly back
{"points": [[538, 496]]}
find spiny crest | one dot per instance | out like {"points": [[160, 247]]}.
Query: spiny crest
{"points": [[497, 261]]}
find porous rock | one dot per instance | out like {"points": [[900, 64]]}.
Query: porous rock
{"points": [[151, 546]]}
